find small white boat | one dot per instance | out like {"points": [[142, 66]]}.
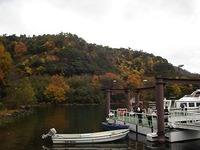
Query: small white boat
{"points": [[96, 137]]}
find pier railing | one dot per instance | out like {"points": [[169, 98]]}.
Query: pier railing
{"points": [[142, 119], [174, 118]]}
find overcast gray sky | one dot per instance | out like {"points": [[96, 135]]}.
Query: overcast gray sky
{"points": [[166, 28]]}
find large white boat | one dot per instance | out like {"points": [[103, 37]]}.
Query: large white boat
{"points": [[96, 137], [187, 102]]}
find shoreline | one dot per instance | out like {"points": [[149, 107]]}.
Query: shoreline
{"points": [[12, 115], [9, 116]]}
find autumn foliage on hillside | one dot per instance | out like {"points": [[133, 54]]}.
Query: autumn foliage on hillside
{"points": [[64, 68]]}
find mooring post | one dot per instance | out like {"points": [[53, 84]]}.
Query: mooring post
{"points": [[136, 128], [107, 102], [160, 110], [128, 103], [137, 97]]}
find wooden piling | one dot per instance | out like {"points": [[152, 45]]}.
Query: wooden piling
{"points": [[107, 102], [160, 110]]}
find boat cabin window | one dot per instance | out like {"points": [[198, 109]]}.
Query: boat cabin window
{"points": [[191, 104], [183, 105], [197, 94], [198, 104]]}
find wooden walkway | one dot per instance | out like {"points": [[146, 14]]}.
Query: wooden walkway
{"points": [[133, 118]]}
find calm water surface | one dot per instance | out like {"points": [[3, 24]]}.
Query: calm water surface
{"points": [[25, 134]]}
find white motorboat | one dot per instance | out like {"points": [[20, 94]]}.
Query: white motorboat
{"points": [[96, 137]]}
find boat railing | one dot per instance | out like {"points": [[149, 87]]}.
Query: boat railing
{"points": [[184, 116]]}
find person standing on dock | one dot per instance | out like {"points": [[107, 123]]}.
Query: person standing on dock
{"points": [[150, 117], [166, 113], [135, 108], [139, 111]]}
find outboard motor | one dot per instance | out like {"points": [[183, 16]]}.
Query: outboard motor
{"points": [[51, 132]]}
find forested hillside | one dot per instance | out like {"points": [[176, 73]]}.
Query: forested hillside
{"points": [[64, 68]]}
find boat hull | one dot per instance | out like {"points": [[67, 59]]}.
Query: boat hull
{"points": [[98, 137], [107, 126]]}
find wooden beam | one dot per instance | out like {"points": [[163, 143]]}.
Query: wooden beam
{"points": [[180, 80]]}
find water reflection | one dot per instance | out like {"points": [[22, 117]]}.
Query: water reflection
{"points": [[104, 146]]}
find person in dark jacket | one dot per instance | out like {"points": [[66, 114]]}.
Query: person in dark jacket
{"points": [[166, 113], [139, 111]]}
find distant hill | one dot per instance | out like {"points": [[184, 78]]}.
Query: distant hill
{"points": [[69, 55]]}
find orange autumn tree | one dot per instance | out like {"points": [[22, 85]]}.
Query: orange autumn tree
{"points": [[20, 48], [111, 80], [95, 80], [134, 81], [56, 91]]}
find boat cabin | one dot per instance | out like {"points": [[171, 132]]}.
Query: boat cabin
{"points": [[188, 102]]}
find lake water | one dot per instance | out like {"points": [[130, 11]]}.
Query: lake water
{"points": [[25, 134]]}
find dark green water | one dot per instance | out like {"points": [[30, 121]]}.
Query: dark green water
{"points": [[25, 134]]}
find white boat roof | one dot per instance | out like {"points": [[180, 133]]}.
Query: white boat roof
{"points": [[195, 96]]}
